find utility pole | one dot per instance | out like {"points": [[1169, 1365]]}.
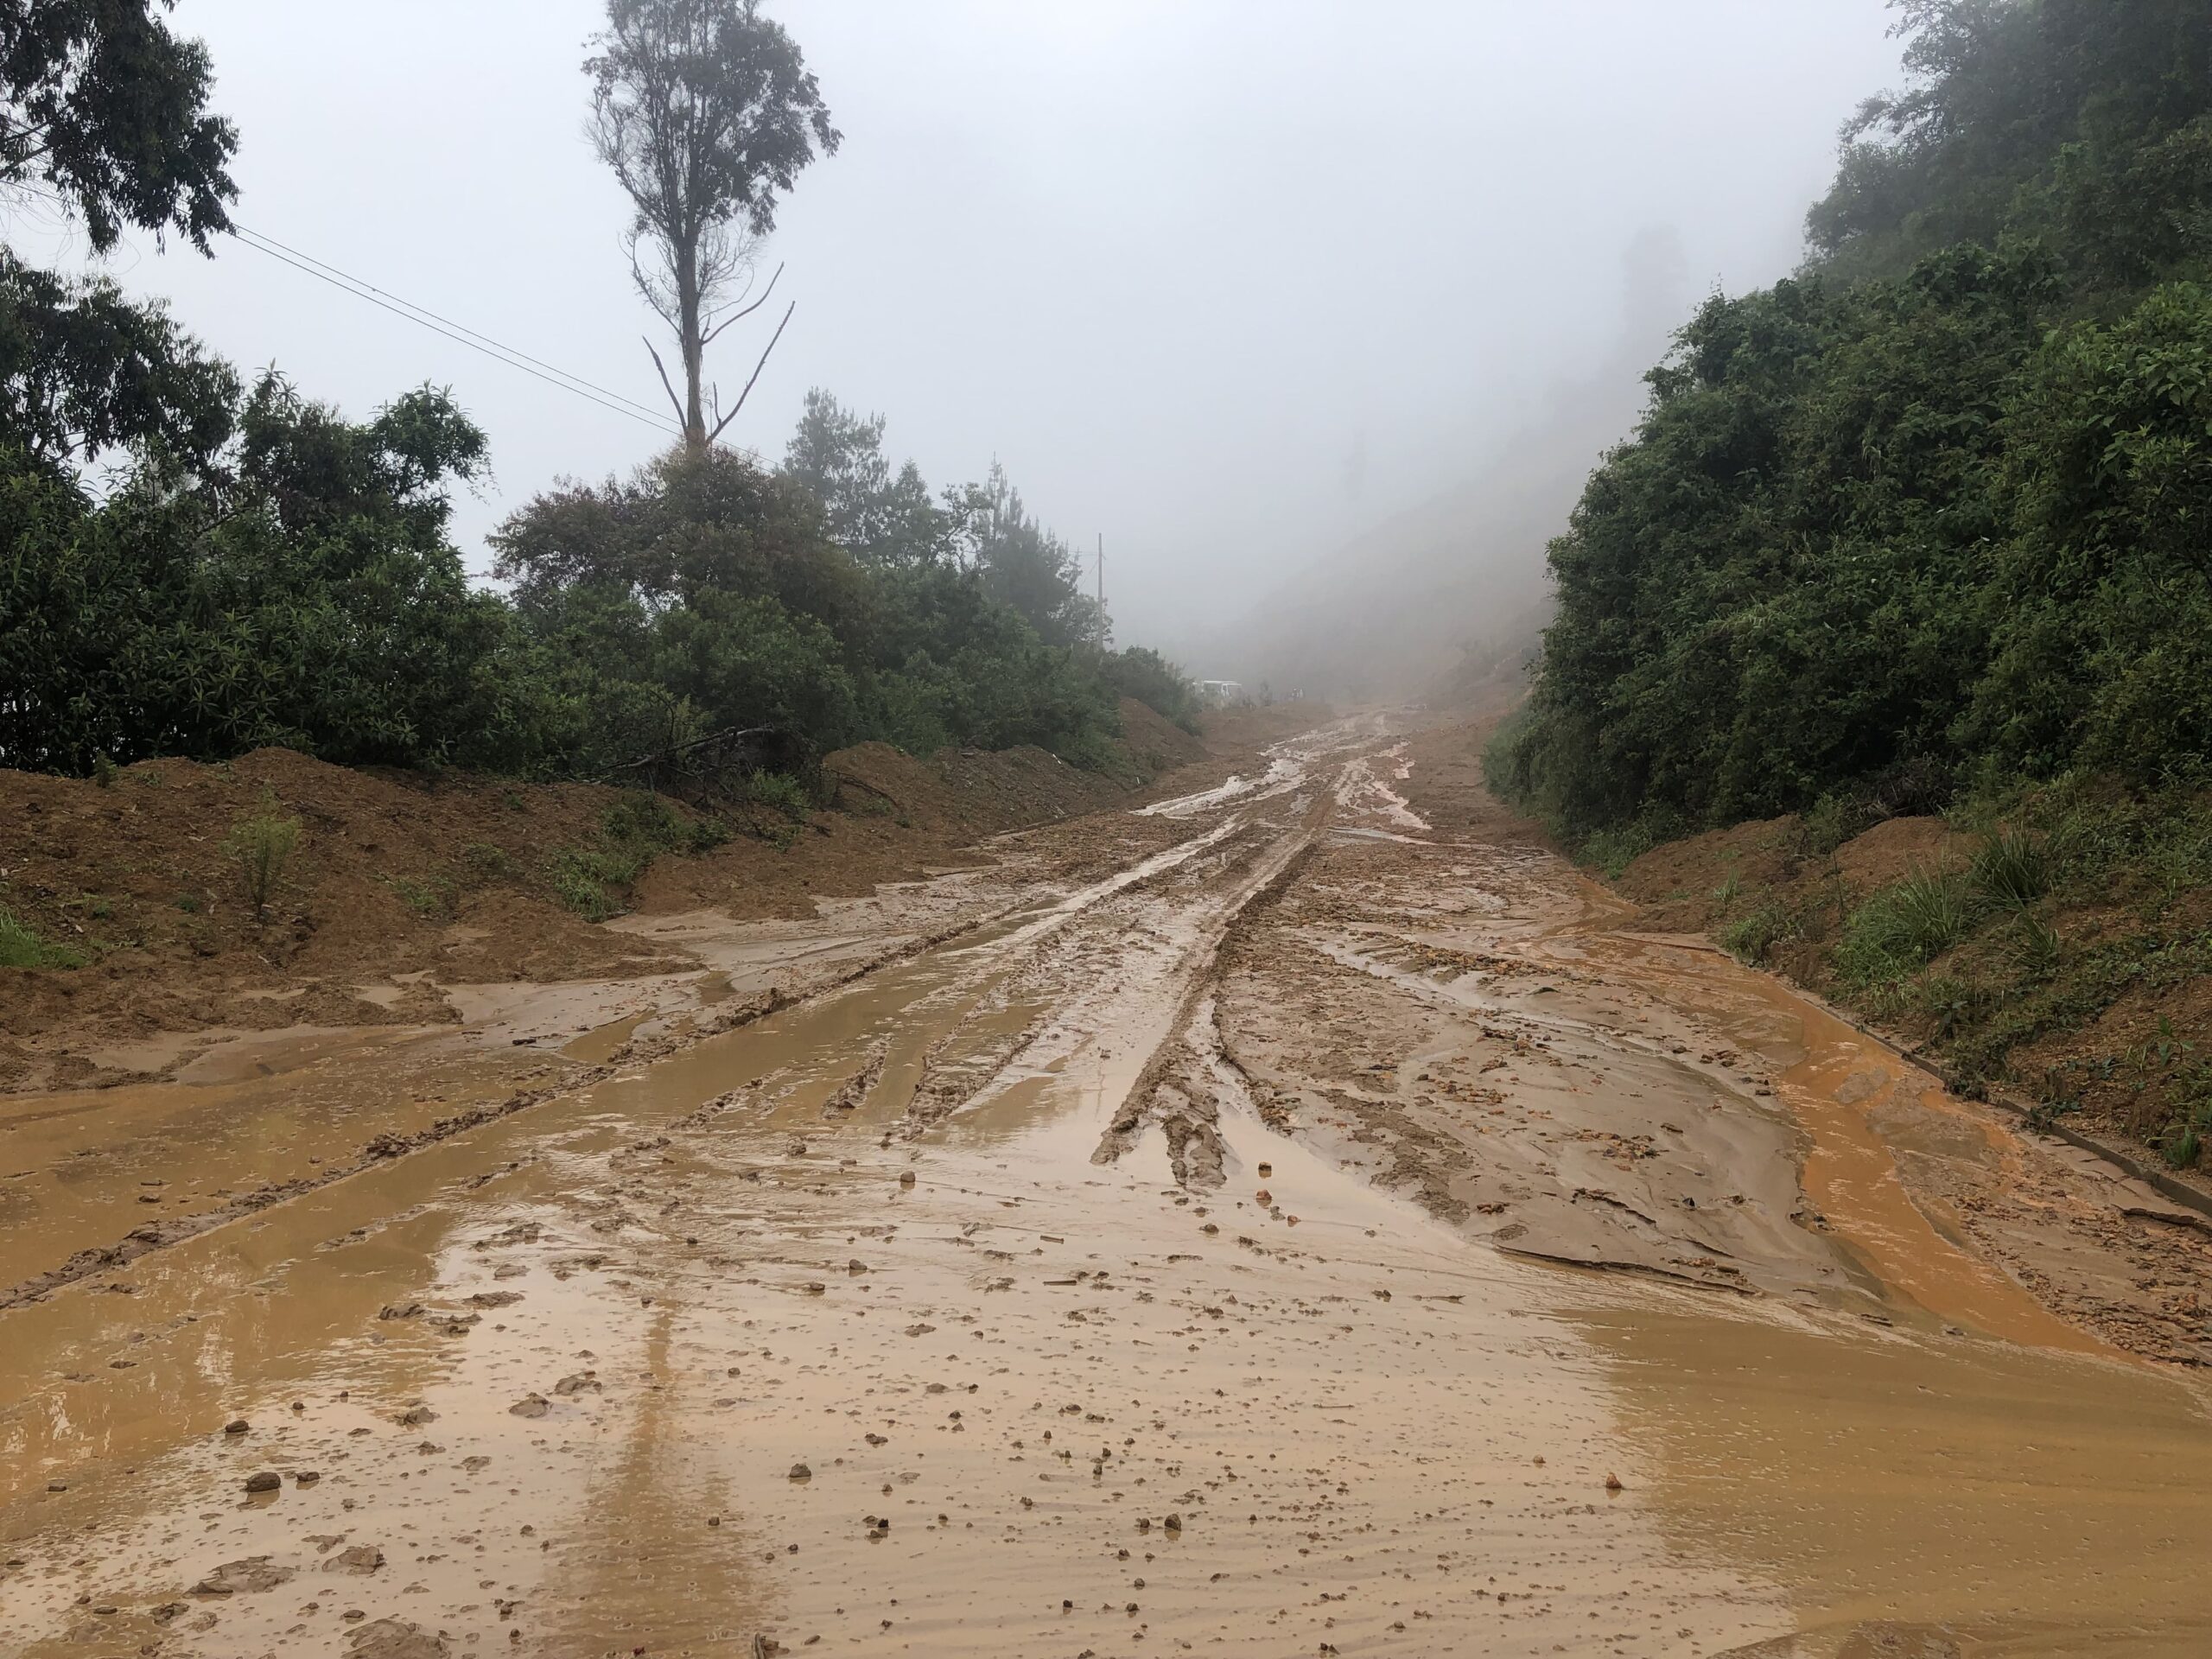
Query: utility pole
{"points": [[1101, 572]]}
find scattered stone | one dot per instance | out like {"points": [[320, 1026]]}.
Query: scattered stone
{"points": [[268, 1480], [248, 1576], [530, 1405], [394, 1638], [361, 1561], [800, 1471], [236, 1425]]}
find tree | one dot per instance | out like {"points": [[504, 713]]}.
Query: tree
{"points": [[707, 113], [1027, 566], [83, 370], [101, 105], [104, 111], [878, 515]]}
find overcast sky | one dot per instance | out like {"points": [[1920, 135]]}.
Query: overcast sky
{"points": [[1224, 280]]}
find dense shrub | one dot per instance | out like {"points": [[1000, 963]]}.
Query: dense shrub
{"points": [[1931, 512]]}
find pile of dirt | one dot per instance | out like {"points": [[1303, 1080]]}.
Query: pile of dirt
{"points": [[1157, 743], [400, 883], [1704, 882]]}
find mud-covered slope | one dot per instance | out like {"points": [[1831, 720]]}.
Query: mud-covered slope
{"points": [[400, 883]]}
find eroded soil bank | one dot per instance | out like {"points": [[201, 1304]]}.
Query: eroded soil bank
{"points": [[1176, 1230]]}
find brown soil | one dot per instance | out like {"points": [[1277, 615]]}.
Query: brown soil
{"points": [[1705, 883], [868, 1310], [405, 883]]}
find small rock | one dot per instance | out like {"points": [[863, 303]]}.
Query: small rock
{"points": [[530, 1405], [236, 1425], [248, 1577], [268, 1480], [800, 1471], [393, 1638], [361, 1561]]}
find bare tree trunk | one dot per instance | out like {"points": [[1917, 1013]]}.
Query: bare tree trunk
{"points": [[691, 325]]}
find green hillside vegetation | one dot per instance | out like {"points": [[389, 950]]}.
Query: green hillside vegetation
{"points": [[1928, 526], [195, 567]]}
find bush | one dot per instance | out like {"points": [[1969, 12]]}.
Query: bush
{"points": [[1905, 927], [780, 792], [1931, 512], [583, 877], [2011, 869], [1752, 938], [261, 845]]}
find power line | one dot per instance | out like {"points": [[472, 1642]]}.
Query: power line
{"points": [[491, 348], [368, 289], [422, 317]]}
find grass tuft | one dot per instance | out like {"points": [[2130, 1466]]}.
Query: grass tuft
{"points": [[2013, 869], [1905, 927]]}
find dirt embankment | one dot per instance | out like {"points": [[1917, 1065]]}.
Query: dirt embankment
{"points": [[401, 883], [2087, 1001]]}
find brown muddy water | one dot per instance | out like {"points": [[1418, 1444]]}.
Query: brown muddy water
{"points": [[1183, 1262]]}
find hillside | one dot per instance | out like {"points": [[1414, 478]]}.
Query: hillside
{"points": [[1920, 531]]}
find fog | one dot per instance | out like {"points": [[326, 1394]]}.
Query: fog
{"points": [[1237, 285]]}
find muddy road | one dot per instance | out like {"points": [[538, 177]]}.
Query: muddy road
{"points": [[1300, 1216]]}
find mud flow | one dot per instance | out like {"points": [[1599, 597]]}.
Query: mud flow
{"points": [[1302, 1217]]}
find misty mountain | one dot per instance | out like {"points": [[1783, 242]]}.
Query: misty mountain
{"points": [[1456, 586]]}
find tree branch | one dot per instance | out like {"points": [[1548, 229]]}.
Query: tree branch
{"points": [[664, 384], [735, 315], [763, 363]]}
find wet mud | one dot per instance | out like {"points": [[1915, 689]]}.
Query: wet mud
{"points": [[1309, 1219]]}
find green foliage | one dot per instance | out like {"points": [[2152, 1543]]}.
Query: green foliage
{"points": [[585, 879], [1752, 937], [2033, 951], [309, 599], [100, 103], [1905, 927], [20, 947], [252, 569], [261, 844], [780, 792], [593, 881], [1151, 679], [1931, 513], [2011, 868], [85, 371]]}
